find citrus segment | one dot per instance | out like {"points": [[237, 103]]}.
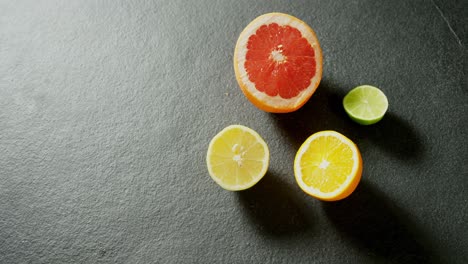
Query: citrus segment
{"points": [[328, 166], [365, 104], [237, 158], [278, 62]]}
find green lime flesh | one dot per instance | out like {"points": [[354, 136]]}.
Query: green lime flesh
{"points": [[365, 104]]}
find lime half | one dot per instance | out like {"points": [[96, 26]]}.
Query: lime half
{"points": [[365, 104]]}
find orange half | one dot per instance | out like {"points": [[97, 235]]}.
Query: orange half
{"points": [[328, 166]]}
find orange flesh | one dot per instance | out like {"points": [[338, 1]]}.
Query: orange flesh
{"points": [[326, 170]]}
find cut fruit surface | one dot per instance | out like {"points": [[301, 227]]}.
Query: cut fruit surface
{"points": [[328, 166], [278, 62], [237, 158], [365, 104]]}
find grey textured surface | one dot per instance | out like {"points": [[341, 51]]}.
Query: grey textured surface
{"points": [[107, 108]]}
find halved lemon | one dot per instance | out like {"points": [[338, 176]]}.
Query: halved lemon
{"points": [[328, 166], [237, 158]]}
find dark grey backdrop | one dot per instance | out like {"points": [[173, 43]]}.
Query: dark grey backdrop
{"points": [[107, 108]]}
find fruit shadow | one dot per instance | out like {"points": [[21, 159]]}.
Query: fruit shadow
{"points": [[324, 111], [375, 224], [272, 206]]}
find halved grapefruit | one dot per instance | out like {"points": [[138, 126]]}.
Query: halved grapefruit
{"points": [[278, 62]]}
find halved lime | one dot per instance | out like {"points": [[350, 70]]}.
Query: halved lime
{"points": [[365, 104]]}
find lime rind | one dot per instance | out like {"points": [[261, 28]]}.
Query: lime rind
{"points": [[365, 104]]}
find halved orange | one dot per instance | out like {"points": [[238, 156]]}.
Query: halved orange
{"points": [[278, 62], [328, 166]]}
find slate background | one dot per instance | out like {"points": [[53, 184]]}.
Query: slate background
{"points": [[107, 108]]}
